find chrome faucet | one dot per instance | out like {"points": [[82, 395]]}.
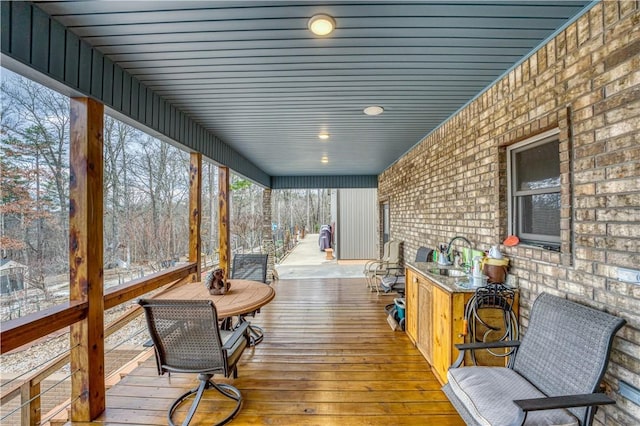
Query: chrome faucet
{"points": [[450, 246]]}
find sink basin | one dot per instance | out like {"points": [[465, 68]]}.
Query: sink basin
{"points": [[448, 272]]}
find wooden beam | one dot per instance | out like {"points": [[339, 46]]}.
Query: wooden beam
{"points": [[85, 258], [117, 295], [29, 328], [224, 235], [21, 331], [195, 209]]}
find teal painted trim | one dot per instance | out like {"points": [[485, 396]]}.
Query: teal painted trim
{"points": [[333, 182], [32, 38]]}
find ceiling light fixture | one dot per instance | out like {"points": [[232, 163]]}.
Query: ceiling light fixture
{"points": [[324, 136], [325, 159], [373, 110], [321, 25]]}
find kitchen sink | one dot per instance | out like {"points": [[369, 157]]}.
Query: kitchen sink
{"points": [[448, 272]]}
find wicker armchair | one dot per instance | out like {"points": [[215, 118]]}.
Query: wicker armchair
{"points": [[187, 339], [251, 266], [554, 376]]}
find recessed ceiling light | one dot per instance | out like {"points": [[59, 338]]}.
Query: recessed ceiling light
{"points": [[373, 110], [321, 25], [325, 159], [323, 136]]}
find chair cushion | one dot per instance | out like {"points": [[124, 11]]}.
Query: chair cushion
{"points": [[487, 393], [391, 280], [236, 349]]}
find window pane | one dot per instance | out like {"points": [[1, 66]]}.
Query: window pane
{"points": [[540, 214], [538, 167]]}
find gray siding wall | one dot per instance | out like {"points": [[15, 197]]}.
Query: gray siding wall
{"points": [[357, 224]]}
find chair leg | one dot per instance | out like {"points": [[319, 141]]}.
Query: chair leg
{"points": [[256, 334], [206, 383]]}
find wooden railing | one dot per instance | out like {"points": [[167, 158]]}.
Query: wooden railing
{"points": [[26, 330]]}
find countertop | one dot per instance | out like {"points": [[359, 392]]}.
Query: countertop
{"points": [[445, 282]]}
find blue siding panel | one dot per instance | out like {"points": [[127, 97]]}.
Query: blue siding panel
{"points": [[117, 88], [21, 40], [126, 92], [57, 43], [72, 61], [142, 106], [301, 182], [107, 81], [156, 110], [40, 40], [162, 114], [84, 81], [135, 96], [97, 68], [148, 116], [5, 26]]}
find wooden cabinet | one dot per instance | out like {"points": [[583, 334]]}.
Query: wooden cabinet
{"points": [[435, 322], [425, 331], [411, 299]]}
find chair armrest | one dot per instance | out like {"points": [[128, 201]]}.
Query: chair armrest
{"points": [[373, 266], [462, 347], [564, 401], [396, 269], [237, 334], [488, 345]]}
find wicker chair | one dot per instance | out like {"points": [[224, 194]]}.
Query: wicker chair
{"points": [[554, 377], [187, 339], [251, 266]]}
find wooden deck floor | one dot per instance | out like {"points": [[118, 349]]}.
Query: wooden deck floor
{"points": [[328, 358]]}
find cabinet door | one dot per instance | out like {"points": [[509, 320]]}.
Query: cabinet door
{"points": [[411, 294], [425, 314], [441, 349]]}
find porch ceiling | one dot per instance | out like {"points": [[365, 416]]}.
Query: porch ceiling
{"points": [[251, 73]]}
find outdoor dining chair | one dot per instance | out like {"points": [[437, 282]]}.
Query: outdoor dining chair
{"points": [[187, 339], [251, 266]]}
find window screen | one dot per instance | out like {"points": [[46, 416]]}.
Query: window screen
{"points": [[535, 192]]}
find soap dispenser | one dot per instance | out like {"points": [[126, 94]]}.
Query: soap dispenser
{"points": [[443, 259]]}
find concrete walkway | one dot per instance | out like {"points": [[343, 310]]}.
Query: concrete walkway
{"points": [[307, 261]]}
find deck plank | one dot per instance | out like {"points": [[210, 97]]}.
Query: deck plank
{"points": [[328, 358]]}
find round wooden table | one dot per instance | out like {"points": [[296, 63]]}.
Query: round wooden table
{"points": [[243, 297]]}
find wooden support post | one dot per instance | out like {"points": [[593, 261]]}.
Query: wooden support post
{"points": [[85, 258], [224, 235], [195, 209], [30, 401]]}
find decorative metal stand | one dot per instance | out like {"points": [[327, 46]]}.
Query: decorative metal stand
{"points": [[492, 296]]}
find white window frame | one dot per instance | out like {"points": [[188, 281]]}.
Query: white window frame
{"points": [[532, 239]]}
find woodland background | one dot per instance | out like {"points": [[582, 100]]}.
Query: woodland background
{"points": [[146, 197]]}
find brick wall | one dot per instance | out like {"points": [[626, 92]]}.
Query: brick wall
{"points": [[586, 83]]}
